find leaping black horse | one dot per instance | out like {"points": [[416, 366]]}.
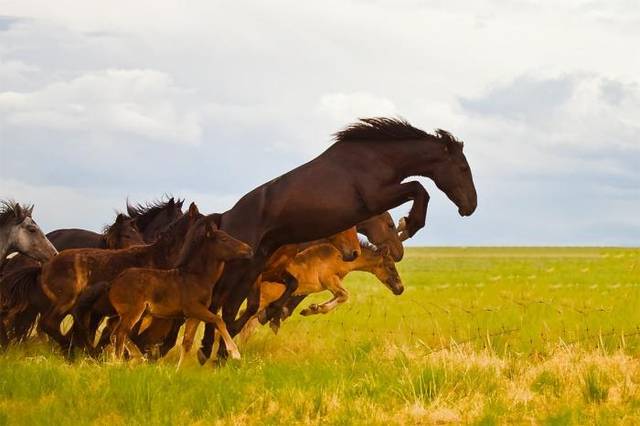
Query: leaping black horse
{"points": [[361, 175]]}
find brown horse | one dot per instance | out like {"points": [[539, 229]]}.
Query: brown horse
{"points": [[361, 175], [181, 292], [67, 275], [163, 333], [320, 268], [22, 299]]}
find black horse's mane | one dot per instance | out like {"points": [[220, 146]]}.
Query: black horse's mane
{"points": [[115, 225], [13, 211], [391, 129], [144, 213]]}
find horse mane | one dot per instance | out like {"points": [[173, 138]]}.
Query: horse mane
{"points": [[384, 129], [13, 211], [144, 213], [108, 228]]}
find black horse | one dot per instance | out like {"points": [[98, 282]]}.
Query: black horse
{"points": [[361, 175]]}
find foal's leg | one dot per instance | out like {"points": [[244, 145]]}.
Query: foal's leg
{"points": [[190, 327], [127, 320], [203, 314], [340, 295]]}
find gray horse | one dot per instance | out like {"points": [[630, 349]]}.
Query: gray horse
{"points": [[20, 233]]}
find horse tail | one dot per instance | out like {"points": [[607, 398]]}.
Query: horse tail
{"points": [[17, 290]]}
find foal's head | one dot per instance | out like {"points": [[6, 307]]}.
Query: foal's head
{"points": [[22, 234], [383, 267], [206, 243], [382, 232], [174, 237], [122, 234], [346, 242]]}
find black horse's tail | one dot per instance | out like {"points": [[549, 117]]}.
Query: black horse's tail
{"points": [[17, 291], [16, 288]]}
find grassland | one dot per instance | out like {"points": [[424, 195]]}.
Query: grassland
{"points": [[481, 336]]}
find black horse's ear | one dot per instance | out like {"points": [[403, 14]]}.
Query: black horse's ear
{"points": [[179, 204], [216, 219], [193, 211], [210, 232], [120, 218], [171, 202]]}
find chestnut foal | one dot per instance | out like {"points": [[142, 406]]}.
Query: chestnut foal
{"points": [[184, 291], [320, 268]]}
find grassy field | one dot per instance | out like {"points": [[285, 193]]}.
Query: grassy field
{"points": [[481, 335]]}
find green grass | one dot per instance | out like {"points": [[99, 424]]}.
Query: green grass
{"points": [[480, 336]]}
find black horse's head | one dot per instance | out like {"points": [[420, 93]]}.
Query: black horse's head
{"points": [[452, 174]]}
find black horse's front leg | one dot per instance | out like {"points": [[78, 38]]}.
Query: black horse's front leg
{"points": [[392, 196]]}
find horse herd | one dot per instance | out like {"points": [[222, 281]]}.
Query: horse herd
{"points": [[157, 268]]}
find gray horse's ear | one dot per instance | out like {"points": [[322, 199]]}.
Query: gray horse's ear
{"points": [[18, 211]]}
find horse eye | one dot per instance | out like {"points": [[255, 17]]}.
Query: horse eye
{"points": [[32, 229]]}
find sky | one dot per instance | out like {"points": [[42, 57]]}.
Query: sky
{"points": [[205, 100]]}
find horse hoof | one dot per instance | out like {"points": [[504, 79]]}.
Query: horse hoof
{"points": [[202, 358], [274, 327]]}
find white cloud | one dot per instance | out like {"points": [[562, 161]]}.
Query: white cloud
{"points": [[343, 107], [141, 102], [251, 95]]}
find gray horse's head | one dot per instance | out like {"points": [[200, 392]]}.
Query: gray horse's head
{"points": [[21, 233]]}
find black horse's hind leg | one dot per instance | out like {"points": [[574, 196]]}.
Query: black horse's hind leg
{"points": [[275, 308], [234, 294], [285, 313]]}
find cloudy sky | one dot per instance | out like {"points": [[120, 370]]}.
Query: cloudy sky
{"points": [[208, 99]]}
